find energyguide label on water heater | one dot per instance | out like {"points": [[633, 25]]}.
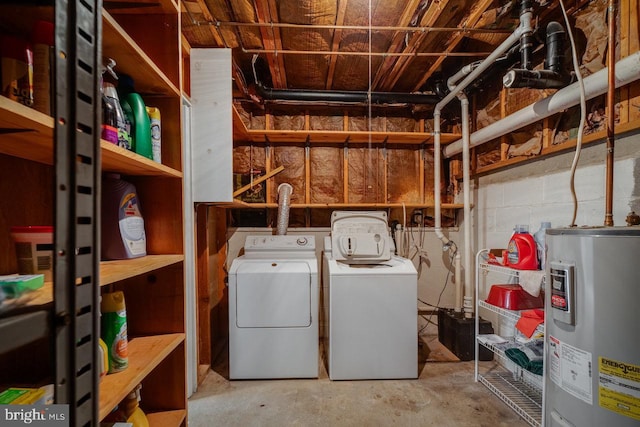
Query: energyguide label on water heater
{"points": [[619, 387], [570, 369]]}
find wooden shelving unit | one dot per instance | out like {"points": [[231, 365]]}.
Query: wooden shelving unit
{"points": [[145, 354], [149, 51], [156, 315]]}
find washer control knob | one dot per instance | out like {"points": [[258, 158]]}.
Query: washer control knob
{"points": [[302, 241]]}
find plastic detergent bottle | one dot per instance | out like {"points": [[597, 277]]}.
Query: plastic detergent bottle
{"points": [[113, 328], [522, 252], [156, 133], [103, 358], [134, 413], [539, 236], [123, 234], [109, 79], [42, 37], [141, 123], [16, 69]]}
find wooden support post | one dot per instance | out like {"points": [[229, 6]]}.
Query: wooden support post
{"points": [[307, 171], [345, 172], [504, 146], [385, 179], [269, 196], [202, 292], [421, 173]]}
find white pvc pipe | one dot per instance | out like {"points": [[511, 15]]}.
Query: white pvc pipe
{"points": [[466, 168], [471, 71], [284, 199], [525, 26], [627, 70], [457, 279]]}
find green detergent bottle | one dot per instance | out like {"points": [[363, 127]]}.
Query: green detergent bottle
{"points": [[141, 122], [113, 327]]}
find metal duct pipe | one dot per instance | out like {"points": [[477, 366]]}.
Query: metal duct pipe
{"points": [[345, 96], [627, 70], [284, 203], [611, 122]]}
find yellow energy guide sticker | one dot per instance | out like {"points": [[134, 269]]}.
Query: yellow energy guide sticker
{"points": [[619, 387]]}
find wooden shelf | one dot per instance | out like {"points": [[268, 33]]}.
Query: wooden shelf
{"points": [[33, 140], [132, 60], [114, 271], [243, 135], [145, 353], [340, 137], [25, 132], [242, 205], [620, 130], [121, 160], [166, 418], [110, 272], [29, 300], [141, 7]]}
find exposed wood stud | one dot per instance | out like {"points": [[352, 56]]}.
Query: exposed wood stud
{"points": [[421, 177], [307, 170]]}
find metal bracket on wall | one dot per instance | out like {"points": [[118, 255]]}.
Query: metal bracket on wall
{"points": [[78, 29]]}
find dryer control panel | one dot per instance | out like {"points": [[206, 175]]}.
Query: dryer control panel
{"points": [[360, 237], [256, 246]]}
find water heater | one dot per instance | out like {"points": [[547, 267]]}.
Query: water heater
{"points": [[592, 346]]}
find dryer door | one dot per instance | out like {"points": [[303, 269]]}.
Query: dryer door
{"points": [[273, 294]]}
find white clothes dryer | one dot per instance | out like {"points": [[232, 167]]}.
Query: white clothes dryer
{"points": [[273, 309]]}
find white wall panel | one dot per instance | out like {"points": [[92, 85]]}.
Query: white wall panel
{"points": [[212, 125]]}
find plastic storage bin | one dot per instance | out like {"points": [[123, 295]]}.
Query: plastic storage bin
{"points": [[34, 250]]}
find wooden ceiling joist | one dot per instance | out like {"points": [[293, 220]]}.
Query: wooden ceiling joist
{"points": [[397, 43], [335, 43], [267, 12], [389, 79], [479, 8]]}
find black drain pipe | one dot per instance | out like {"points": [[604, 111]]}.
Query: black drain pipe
{"points": [[553, 76], [345, 96]]}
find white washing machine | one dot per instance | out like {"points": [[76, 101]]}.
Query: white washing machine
{"points": [[370, 301], [273, 309]]}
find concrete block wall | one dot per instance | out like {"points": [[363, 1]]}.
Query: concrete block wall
{"points": [[540, 191]]}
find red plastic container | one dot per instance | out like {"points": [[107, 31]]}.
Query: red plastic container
{"points": [[513, 297], [522, 252]]}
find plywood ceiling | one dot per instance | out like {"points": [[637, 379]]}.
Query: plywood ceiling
{"points": [[354, 45]]}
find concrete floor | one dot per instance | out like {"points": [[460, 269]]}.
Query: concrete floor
{"points": [[445, 395]]}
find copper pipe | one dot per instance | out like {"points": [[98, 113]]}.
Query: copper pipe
{"points": [[353, 27], [384, 54], [611, 94]]}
